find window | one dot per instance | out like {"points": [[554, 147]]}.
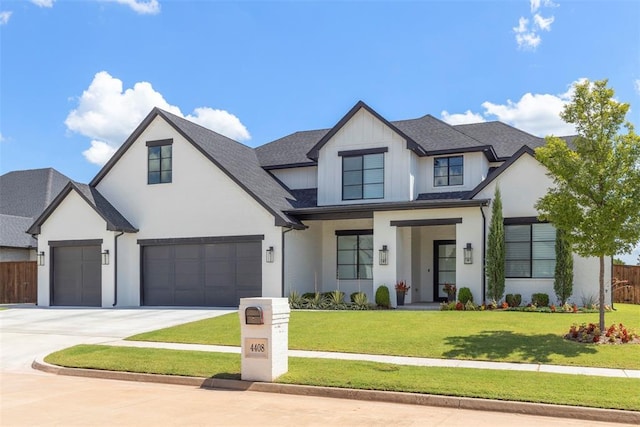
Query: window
{"points": [[363, 177], [447, 171], [355, 254], [530, 250], [159, 165]]}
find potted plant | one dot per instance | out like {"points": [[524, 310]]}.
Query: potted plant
{"points": [[450, 289], [401, 291]]}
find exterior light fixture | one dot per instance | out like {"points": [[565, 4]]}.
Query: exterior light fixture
{"points": [[41, 258], [384, 255], [269, 257], [468, 254], [105, 257]]}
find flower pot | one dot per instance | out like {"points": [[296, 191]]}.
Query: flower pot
{"points": [[400, 297]]}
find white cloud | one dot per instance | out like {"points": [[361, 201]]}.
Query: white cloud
{"points": [[461, 118], [149, 7], [1, 137], [525, 37], [43, 3], [108, 114], [535, 5], [543, 23], [4, 17], [636, 85], [538, 114]]}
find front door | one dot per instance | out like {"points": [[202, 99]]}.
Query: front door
{"points": [[444, 267]]}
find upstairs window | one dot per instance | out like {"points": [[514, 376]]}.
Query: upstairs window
{"points": [[363, 174], [448, 171], [159, 162], [355, 254], [530, 250]]}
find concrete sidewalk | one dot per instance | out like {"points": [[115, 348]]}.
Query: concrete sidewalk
{"points": [[401, 360]]}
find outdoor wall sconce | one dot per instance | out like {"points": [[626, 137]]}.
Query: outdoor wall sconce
{"points": [[468, 254], [269, 257], [384, 255], [41, 258], [105, 257]]}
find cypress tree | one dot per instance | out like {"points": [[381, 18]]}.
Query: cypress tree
{"points": [[495, 250], [563, 284]]}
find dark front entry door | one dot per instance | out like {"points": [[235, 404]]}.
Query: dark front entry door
{"points": [[444, 267]]}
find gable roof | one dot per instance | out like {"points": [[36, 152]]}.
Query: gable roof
{"points": [[24, 195], [315, 150], [239, 162], [114, 219], [428, 136], [497, 172]]}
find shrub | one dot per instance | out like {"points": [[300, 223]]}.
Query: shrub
{"points": [[459, 306], [382, 297], [295, 300], [470, 306], [514, 300], [316, 301], [360, 301], [540, 300], [309, 295], [465, 295]]}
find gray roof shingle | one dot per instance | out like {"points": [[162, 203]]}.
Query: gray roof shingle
{"points": [[13, 232], [506, 140]]}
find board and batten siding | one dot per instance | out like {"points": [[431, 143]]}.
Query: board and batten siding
{"points": [[201, 201], [364, 131], [476, 168], [298, 178]]}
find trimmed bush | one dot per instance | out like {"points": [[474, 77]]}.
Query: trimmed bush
{"points": [[309, 295], [514, 300], [540, 300], [465, 295], [382, 297]]}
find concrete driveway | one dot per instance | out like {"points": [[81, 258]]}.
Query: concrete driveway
{"points": [[27, 332]]}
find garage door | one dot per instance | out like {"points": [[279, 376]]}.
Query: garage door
{"points": [[77, 276], [211, 274]]}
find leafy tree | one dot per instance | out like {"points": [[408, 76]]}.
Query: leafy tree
{"points": [[563, 284], [596, 198], [495, 250], [618, 261]]}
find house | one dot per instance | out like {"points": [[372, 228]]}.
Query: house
{"points": [[23, 197], [182, 216]]}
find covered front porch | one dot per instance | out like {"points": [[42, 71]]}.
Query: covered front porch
{"points": [[427, 248]]}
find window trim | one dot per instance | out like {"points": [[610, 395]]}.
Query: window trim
{"points": [[449, 175], [362, 154], [358, 233], [530, 222], [154, 144]]}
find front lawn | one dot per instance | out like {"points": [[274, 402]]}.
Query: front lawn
{"points": [[599, 392], [503, 336]]}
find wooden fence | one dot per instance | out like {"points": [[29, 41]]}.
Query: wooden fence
{"points": [[18, 282], [626, 284]]}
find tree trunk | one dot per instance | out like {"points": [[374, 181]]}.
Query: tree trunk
{"points": [[601, 293]]}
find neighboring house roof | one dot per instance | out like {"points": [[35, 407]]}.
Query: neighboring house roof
{"points": [[237, 161], [24, 195], [13, 232], [426, 135], [114, 219]]}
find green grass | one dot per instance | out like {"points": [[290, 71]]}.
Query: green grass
{"points": [[599, 392], [503, 336]]}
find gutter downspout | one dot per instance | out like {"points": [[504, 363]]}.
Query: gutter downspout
{"points": [[484, 253], [284, 231], [115, 268]]}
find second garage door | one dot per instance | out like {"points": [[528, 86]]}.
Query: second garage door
{"points": [[211, 274]]}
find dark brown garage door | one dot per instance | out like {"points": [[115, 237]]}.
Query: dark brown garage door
{"points": [[211, 274], [77, 276]]}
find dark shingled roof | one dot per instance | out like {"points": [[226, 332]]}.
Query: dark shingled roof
{"points": [[114, 219], [24, 195], [304, 198], [450, 195], [499, 141]]}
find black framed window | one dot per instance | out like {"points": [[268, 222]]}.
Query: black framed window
{"points": [[448, 171], [355, 254], [363, 177], [530, 250], [159, 161]]}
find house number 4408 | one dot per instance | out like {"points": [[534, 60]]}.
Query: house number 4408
{"points": [[257, 348]]}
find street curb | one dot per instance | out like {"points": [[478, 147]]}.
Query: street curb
{"points": [[525, 408]]}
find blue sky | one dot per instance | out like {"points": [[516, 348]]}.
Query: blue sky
{"points": [[77, 76]]}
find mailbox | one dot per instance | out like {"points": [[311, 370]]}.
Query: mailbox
{"points": [[253, 316]]}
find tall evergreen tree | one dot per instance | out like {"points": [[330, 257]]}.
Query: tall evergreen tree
{"points": [[495, 250], [596, 197], [563, 284]]}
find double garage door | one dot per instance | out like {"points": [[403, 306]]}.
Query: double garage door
{"points": [[77, 274], [214, 273]]}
